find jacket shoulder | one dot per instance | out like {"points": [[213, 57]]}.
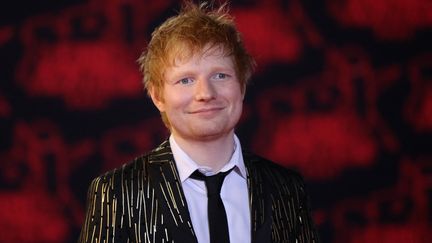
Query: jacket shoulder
{"points": [[123, 172], [138, 166], [270, 168], [110, 201]]}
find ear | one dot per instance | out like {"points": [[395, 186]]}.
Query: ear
{"points": [[157, 100], [243, 92]]}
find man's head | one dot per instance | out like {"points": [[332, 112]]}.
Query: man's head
{"points": [[187, 34]]}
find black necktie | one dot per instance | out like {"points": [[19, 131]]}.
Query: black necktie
{"points": [[218, 223]]}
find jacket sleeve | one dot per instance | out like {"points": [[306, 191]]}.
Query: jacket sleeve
{"points": [[104, 219], [306, 231]]}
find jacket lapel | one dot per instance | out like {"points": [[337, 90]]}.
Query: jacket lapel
{"points": [[260, 202], [166, 182]]}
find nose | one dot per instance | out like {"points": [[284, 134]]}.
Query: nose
{"points": [[204, 90]]}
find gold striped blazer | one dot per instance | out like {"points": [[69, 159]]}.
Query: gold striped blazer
{"points": [[143, 201]]}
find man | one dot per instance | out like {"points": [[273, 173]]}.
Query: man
{"points": [[195, 70]]}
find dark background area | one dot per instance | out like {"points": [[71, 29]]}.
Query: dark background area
{"points": [[342, 93]]}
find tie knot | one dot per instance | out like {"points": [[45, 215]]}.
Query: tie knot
{"points": [[213, 183]]}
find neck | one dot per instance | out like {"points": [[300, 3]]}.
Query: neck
{"points": [[213, 153]]}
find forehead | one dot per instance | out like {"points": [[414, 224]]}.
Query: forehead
{"points": [[188, 61], [206, 62], [183, 52]]}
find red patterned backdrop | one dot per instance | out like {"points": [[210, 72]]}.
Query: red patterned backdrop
{"points": [[343, 93]]}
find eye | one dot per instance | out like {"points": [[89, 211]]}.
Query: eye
{"points": [[220, 76], [185, 81]]}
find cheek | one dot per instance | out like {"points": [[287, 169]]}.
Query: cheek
{"points": [[175, 100], [234, 93]]}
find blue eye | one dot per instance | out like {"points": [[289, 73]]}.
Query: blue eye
{"points": [[185, 81], [221, 76]]}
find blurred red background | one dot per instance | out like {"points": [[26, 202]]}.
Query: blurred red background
{"points": [[342, 93]]}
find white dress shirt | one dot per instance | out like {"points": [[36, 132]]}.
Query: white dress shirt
{"points": [[234, 194]]}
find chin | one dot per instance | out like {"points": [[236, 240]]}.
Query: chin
{"points": [[210, 133]]}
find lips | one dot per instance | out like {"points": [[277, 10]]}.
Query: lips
{"points": [[206, 110]]}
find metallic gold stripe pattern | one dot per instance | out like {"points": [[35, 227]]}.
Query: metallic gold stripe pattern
{"points": [[143, 202], [284, 190], [124, 212]]}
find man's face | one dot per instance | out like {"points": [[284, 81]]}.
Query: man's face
{"points": [[201, 96]]}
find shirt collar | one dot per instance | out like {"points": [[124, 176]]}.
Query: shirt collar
{"points": [[186, 166]]}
